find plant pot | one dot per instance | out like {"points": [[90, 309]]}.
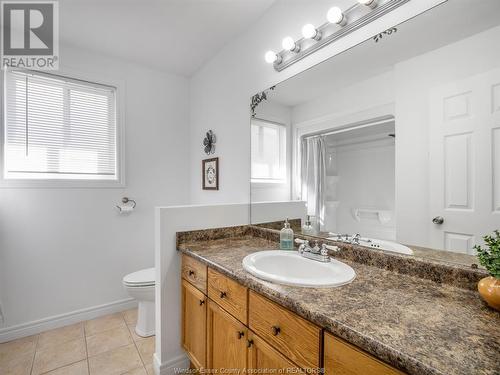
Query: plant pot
{"points": [[489, 289]]}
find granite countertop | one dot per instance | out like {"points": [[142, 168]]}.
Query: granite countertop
{"points": [[445, 256], [414, 324]]}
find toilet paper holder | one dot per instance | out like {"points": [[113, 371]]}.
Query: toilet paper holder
{"points": [[125, 201]]}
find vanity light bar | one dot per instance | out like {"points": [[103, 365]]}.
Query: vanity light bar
{"points": [[315, 38]]}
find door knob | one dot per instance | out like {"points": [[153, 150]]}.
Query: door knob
{"points": [[438, 220], [223, 294], [240, 334]]}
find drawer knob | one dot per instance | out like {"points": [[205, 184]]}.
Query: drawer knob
{"points": [[240, 334], [202, 301], [191, 272], [276, 330], [249, 343], [223, 294]]}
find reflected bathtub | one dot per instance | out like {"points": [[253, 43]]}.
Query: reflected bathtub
{"points": [[381, 245]]}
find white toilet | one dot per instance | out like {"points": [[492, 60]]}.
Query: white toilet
{"points": [[141, 286]]}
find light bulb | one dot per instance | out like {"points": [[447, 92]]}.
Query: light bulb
{"points": [[335, 15], [368, 3], [310, 32], [271, 57], [289, 44]]}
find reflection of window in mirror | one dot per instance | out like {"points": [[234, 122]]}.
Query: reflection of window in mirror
{"points": [[268, 152]]}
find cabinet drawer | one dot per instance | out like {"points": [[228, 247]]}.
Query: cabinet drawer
{"points": [[342, 358], [195, 272], [228, 294], [298, 339]]}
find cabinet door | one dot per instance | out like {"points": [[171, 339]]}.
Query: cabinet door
{"points": [[342, 358], [226, 340], [262, 356], [194, 324]]}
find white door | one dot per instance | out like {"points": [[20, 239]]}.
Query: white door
{"points": [[465, 162]]}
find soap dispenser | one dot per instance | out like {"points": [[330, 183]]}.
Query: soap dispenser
{"points": [[307, 228], [286, 237]]}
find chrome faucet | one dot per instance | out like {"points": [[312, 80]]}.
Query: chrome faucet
{"points": [[315, 253], [343, 238], [355, 239], [304, 245], [316, 249]]}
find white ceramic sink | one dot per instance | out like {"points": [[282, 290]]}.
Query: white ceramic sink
{"points": [[289, 268]]}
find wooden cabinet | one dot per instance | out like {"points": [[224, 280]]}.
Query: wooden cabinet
{"points": [[239, 331], [229, 294], [227, 340], [342, 358], [195, 272], [297, 338], [194, 315], [261, 355]]}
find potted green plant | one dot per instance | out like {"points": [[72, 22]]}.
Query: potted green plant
{"points": [[489, 257]]}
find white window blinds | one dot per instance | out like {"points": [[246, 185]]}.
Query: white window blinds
{"points": [[268, 151], [58, 128]]}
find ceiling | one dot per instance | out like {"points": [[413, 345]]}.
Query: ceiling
{"points": [[445, 24], [177, 36]]}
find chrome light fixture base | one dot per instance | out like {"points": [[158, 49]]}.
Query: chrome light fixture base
{"points": [[289, 58]]}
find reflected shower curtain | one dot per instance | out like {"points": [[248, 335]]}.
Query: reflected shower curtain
{"points": [[313, 176]]}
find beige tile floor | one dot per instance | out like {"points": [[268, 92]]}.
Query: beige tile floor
{"points": [[104, 346]]}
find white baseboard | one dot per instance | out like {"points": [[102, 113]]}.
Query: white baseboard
{"points": [[172, 366], [56, 321]]}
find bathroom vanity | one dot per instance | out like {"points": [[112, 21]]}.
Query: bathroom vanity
{"points": [[399, 315]]}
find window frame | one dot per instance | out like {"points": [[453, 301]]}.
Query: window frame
{"points": [[92, 78], [283, 130]]}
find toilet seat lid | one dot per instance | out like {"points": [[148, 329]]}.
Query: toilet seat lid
{"points": [[140, 278]]}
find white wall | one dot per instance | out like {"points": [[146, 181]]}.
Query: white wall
{"points": [[221, 90], [63, 250], [265, 212], [366, 181], [376, 91]]}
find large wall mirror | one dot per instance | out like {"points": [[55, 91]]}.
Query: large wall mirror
{"points": [[393, 144]]}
